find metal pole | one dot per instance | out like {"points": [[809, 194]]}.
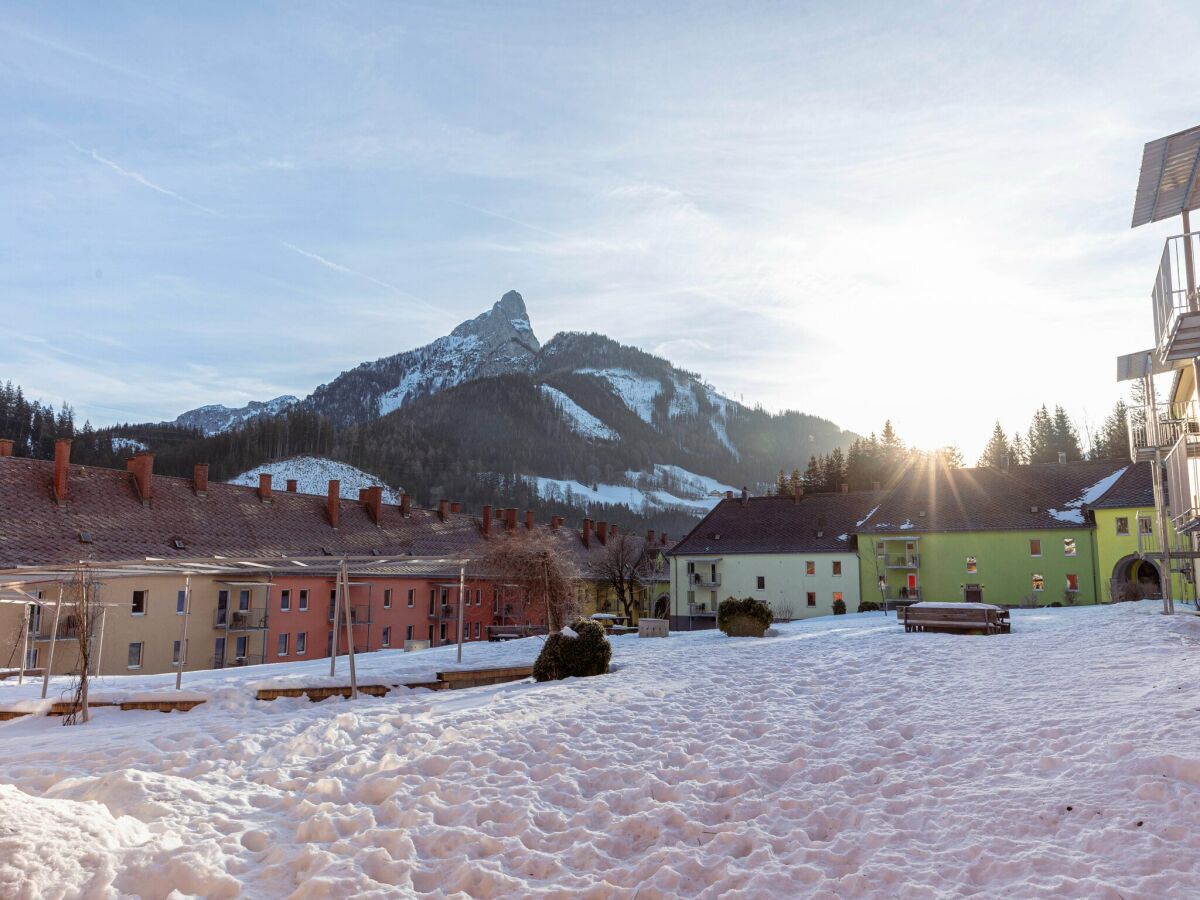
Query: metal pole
{"points": [[349, 632], [53, 638], [100, 643], [462, 582], [1187, 258], [187, 612], [337, 608], [24, 644]]}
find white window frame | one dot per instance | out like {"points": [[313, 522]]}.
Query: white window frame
{"points": [[141, 654], [835, 568], [386, 638], [301, 643], [1034, 579], [1117, 526], [145, 602], [285, 600], [412, 597], [302, 600], [387, 598], [1070, 547], [181, 602], [283, 644]]}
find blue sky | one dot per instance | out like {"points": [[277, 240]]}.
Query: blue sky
{"points": [[859, 210]]}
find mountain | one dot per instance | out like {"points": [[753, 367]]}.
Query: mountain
{"points": [[217, 418], [312, 475]]}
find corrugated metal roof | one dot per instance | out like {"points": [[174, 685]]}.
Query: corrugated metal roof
{"points": [[1167, 184]]}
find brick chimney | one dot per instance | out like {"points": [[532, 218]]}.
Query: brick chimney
{"points": [[486, 520], [499, 513], [587, 532], [663, 539], [443, 508], [142, 466], [362, 495], [612, 530], [845, 488], [529, 520], [510, 520], [650, 536], [291, 485], [797, 494], [62, 465], [200, 479], [6, 446], [729, 495], [264, 487], [333, 503], [455, 506], [375, 503], [602, 532], [405, 504]]}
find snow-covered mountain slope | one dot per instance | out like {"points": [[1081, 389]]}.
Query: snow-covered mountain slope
{"points": [[313, 473], [217, 418], [666, 488], [582, 421]]}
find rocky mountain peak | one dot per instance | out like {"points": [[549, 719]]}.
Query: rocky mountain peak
{"points": [[506, 321]]}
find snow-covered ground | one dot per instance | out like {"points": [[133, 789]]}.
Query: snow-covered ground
{"points": [[663, 488], [843, 758], [581, 420], [313, 473]]}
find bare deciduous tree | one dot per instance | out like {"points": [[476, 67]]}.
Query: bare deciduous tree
{"points": [[82, 611], [625, 567], [536, 576]]}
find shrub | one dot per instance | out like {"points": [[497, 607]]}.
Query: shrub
{"points": [[839, 607], [563, 656], [867, 606], [1132, 591], [1056, 603], [744, 618]]}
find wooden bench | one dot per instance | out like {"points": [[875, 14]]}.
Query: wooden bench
{"points": [[480, 677], [965, 618]]}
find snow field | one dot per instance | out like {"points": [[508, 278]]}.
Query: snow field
{"points": [[843, 758], [312, 474]]}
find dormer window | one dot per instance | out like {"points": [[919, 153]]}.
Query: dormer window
{"points": [[85, 537], [178, 544]]}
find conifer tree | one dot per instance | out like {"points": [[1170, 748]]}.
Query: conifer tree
{"points": [[997, 449], [1066, 437]]}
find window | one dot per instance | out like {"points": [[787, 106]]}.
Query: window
{"points": [[476, 631], [139, 603], [243, 646], [442, 635], [837, 596], [135, 654], [31, 658], [301, 643], [879, 548], [283, 645], [408, 633], [1122, 525], [1068, 546], [387, 601], [972, 565], [1035, 547], [1145, 525], [445, 596], [812, 598], [412, 597], [761, 582], [303, 600], [478, 597], [810, 567], [432, 600], [387, 637], [1039, 583], [1072, 582], [175, 654], [180, 603], [285, 601], [243, 601], [219, 652], [837, 567]]}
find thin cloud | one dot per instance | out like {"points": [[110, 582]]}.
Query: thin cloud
{"points": [[346, 270], [143, 180]]}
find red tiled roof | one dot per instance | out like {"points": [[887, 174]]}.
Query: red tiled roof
{"points": [[818, 523]]}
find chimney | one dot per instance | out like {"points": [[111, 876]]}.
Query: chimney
{"points": [[362, 495], [729, 495], [333, 504], [876, 486], [1062, 457], [499, 513], [845, 488], [62, 463], [510, 520], [587, 532], [1004, 461], [291, 485], [650, 536], [405, 504], [602, 532], [375, 503], [455, 507], [745, 495], [487, 520], [612, 530], [529, 520], [200, 479], [443, 508], [662, 538], [264, 487], [142, 467], [797, 494], [6, 446], [555, 521]]}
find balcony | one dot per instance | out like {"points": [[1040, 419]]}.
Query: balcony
{"points": [[905, 561], [1176, 301], [250, 659], [359, 615], [1160, 427], [241, 619], [700, 579], [445, 611], [68, 629], [1183, 483]]}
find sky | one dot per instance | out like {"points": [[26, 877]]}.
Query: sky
{"points": [[864, 211]]}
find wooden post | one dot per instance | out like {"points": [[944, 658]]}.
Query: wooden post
{"points": [[462, 583], [24, 642], [187, 612], [337, 608], [345, 576], [53, 638]]}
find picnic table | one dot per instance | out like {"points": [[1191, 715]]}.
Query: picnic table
{"points": [[965, 618]]}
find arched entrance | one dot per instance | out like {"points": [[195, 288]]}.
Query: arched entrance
{"points": [[1140, 571]]}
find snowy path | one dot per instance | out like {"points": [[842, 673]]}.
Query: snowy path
{"points": [[841, 759]]}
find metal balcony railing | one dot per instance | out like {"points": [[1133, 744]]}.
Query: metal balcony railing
{"points": [[1176, 305], [445, 611], [1159, 427], [904, 561], [359, 615], [702, 579], [241, 619], [250, 659], [68, 629], [1182, 486]]}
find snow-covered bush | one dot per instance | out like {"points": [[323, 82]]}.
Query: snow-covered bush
{"points": [[868, 606], [839, 607], [579, 650], [747, 617]]}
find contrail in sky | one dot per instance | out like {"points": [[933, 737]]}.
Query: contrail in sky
{"points": [[143, 180]]}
